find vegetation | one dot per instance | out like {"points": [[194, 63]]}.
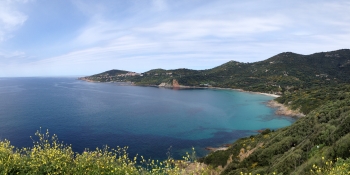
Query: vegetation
{"points": [[284, 73], [49, 156], [309, 99], [340, 167], [324, 132]]}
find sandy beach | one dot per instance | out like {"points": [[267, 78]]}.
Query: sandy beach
{"points": [[261, 93], [281, 108]]}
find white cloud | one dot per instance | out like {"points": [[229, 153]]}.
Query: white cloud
{"points": [[220, 28], [98, 30], [10, 18], [12, 54], [159, 5]]}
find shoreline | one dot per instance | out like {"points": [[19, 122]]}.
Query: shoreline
{"points": [[284, 110], [281, 109], [212, 87], [260, 93]]}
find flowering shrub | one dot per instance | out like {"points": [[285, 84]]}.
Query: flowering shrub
{"points": [[49, 156], [339, 167]]}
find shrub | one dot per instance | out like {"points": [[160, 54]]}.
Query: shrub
{"points": [[49, 156]]}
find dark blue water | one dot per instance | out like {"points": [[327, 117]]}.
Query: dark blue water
{"points": [[149, 120]]}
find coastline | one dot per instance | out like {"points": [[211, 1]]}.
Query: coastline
{"points": [[261, 93], [284, 110], [281, 109]]}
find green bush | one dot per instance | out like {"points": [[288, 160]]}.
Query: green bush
{"points": [[49, 156]]}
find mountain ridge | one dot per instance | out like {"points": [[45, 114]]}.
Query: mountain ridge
{"points": [[273, 75]]}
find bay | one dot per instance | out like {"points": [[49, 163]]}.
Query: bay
{"points": [[148, 120]]}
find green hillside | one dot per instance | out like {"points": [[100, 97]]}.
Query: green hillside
{"points": [[283, 72], [324, 132]]}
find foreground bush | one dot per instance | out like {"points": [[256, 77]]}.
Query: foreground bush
{"points": [[337, 167], [49, 156]]}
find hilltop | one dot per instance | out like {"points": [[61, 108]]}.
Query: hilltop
{"points": [[283, 72]]}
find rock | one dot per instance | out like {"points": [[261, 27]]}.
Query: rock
{"points": [[284, 110], [175, 83]]}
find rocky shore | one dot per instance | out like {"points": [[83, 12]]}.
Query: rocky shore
{"points": [[85, 79], [221, 148], [284, 110]]}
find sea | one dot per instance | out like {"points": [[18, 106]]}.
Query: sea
{"points": [[150, 121]]}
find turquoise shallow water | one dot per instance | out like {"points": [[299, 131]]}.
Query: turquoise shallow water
{"points": [[149, 120]]}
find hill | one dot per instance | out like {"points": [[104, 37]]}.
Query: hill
{"points": [[110, 76], [278, 74]]}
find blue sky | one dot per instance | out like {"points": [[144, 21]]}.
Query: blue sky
{"points": [[84, 37]]}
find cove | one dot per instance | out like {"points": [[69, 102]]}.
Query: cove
{"points": [[148, 120]]}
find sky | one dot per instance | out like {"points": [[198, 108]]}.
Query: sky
{"points": [[85, 37]]}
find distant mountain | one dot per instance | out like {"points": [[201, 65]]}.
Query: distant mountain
{"points": [[283, 72], [111, 75]]}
